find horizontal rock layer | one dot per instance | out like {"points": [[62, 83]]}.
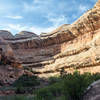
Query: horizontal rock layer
{"points": [[67, 48], [9, 71]]}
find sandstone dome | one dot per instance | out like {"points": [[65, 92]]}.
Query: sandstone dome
{"points": [[59, 29], [6, 34], [25, 34]]}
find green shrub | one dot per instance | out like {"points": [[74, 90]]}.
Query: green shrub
{"points": [[44, 94], [67, 87], [49, 93], [75, 85], [96, 76], [20, 98], [26, 81], [25, 84], [16, 97], [53, 80]]}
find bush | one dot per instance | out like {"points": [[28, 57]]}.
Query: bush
{"points": [[67, 87], [16, 97], [75, 85], [25, 84], [20, 98], [96, 76], [49, 93], [53, 80], [26, 81], [44, 94]]}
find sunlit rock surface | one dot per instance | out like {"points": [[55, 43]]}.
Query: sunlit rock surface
{"points": [[69, 47], [25, 34]]}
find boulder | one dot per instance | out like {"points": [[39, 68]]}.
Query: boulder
{"points": [[93, 91]]}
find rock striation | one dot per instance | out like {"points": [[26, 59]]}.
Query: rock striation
{"points": [[25, 35], [68, 48], [8, 64], [6, 34]]}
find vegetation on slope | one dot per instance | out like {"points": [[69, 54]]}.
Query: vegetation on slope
{"points": [[67, 87], [64, 87], [26, 83]]}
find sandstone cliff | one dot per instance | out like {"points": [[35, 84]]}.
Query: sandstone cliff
{"points": [[25, 35], [5, 34], [69, 47], [9, 71]]}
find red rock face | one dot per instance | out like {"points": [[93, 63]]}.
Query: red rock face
{"points": [[8, 64], [69, 47]]}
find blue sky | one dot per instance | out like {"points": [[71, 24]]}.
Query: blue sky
{"points": [[40, 15]]}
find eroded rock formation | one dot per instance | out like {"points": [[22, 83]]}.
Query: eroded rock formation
{"points": [[69, 47], [25, 35], [6, 34], [8, 64]]}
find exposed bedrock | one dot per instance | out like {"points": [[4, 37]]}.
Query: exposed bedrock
{"points": [[69, 47], [93, 91], [10, 68]]}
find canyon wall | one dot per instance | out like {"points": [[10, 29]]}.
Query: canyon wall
{"points": [[68, 48], [10, 67]]}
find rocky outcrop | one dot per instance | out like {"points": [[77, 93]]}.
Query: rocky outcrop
{"points": [[71, 47], [67, 48], [25, 35], [9, 66], [6, 34], [93, 91]]}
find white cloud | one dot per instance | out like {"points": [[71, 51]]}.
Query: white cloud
{"points": [[54, 12], [56, 20], [17, 28], [83, 8], [14, 17], [38, 6], [39, 30]]}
